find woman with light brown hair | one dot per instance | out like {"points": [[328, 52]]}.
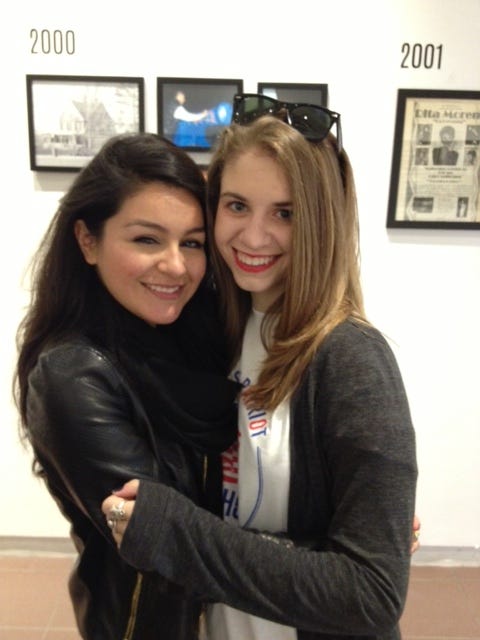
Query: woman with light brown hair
{"points": [[318, 492]]}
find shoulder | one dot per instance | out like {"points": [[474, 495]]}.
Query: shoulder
{"points": [[354, 385], [77, 381], [73, 361], [74, 352], [355, 353], [352, 339]]}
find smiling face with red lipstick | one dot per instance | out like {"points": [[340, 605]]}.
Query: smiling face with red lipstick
{"points": [[253, 225], [151, 253]]}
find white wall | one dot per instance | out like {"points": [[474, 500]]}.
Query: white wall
{"points": [[421, 286]]}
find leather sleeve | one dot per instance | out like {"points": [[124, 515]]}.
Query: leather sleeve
{"points": [[87, 428]]}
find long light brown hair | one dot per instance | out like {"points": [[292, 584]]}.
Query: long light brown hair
{"points": [[322, 284]]}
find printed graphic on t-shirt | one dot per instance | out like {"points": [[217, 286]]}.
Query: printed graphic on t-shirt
{"points": [[230, 483], [256, 468], [256, 482]]}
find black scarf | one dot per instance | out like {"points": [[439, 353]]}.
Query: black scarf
{"points": [[179, 371]]}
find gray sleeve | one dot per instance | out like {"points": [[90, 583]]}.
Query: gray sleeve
{"points": [[355, 581]]}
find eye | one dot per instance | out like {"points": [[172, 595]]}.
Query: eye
{"points": [[193, 244], [145, 240], [285, 214], [237, 206]]}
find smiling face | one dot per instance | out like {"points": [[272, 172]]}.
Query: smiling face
{"points": [[253, 225], [151, 254]]}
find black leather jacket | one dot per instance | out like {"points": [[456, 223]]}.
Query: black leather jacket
{"points": [[90, 433]]}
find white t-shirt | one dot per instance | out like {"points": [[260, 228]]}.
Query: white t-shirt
{"points": [[256, 481]]}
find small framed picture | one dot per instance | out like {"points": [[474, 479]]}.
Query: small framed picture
{"points": [[193, 111], [306, 93], [435, 174], [70, 117]]}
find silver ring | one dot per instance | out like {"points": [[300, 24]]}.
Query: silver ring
{"points": [[116, 513]]}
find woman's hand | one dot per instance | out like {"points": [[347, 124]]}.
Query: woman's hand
{"points": [[118, 509], [415, 534]]}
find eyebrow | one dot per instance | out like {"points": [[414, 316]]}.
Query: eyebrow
{"points": [[238, 196], [159, 227]]}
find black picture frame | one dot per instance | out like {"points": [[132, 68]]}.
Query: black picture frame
{"points": [[70, 117], [204, 103], [296, 92], [435, 173]]}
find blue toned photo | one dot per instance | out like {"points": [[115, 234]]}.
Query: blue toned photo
{"points": [[192, 111]]}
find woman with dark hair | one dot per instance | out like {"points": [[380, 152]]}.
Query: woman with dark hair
{"points": [[120, 371]]}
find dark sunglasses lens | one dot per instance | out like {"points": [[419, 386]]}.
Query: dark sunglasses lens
{"points": [[313, 123], [252, 107]]}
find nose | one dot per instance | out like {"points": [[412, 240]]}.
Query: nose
{"points": [[172, 262], [255, 232]]}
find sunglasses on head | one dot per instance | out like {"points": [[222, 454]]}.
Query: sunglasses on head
{"points": [[312, 121]]}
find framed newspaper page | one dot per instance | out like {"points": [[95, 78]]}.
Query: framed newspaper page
{"points": [[436, 160]]}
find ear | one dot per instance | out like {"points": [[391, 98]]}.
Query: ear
{"points": [[86, 241]]}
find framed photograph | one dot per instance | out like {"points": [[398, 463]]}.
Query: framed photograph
{"points": [[70, 117], [307, 93], [436, 160], [193, 111]]}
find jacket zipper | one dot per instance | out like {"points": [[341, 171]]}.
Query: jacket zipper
{"points": [[205, 471], [132, 618], [138, 586]]}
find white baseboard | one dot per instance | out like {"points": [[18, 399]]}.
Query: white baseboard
{"points": [[447, 557], [24, 546], [425, 556]]}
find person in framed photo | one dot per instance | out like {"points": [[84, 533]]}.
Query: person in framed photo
{"points": [[199, 129], [190, 126], [424, 133], [470, 157], [421, 156], [462, 207], [473, 134], [446, 154]]}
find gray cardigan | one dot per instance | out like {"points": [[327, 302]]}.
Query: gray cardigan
{"points": [[351, 507]]}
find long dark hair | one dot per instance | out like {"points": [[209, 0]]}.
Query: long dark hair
{"points": [[64, 287]]}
